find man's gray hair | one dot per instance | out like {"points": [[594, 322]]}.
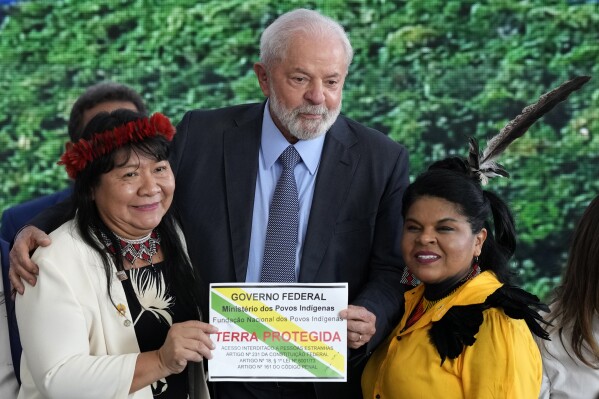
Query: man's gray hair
{"points": [[276, 38]]}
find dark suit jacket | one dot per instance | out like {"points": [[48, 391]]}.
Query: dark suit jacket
{"points": [[13, 219], [13, 331], [355, 221]]}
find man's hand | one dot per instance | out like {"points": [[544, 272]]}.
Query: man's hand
{"points": [[360, 325], [21, 266]]}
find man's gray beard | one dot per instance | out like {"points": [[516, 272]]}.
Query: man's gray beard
{"points": [[300, 128]]}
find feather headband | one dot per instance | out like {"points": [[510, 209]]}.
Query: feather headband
{"points": [[78, 155], [483, 165]]}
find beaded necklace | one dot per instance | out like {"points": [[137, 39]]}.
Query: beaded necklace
{"points": [[143, 248]]}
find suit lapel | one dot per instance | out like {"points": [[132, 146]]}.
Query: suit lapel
{"points": [[338, 163], [241, 146]]}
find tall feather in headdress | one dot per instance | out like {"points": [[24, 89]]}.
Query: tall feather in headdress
{"points": [[484, 165]]}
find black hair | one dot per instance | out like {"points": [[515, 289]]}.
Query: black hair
{"points": [[184, 277], [450, 180], [98, 94]]}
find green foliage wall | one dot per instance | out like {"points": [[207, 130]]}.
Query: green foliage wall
{"points": [[427, 72]]}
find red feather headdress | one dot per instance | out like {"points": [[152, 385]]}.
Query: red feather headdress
{"points": [[78, 155]]}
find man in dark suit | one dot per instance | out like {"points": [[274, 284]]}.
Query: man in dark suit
{"points": [[105, 96], [350, 183]]}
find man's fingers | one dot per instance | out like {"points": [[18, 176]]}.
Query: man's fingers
{"points": [[17, 279], [21, 266], [357, 313], [32, 237], [16, 283], [22, 263], [39, 239], [361, 325], [355, 340]]}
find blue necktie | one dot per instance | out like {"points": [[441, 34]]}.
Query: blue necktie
{"points": [[278, 265]]}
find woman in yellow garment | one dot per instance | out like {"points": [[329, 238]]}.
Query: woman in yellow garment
{"points": [[466, 332]]}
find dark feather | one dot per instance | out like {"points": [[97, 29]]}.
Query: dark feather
{"points": [[473, 153], [519, 304], [495, 169], [529, 115], [456, 329], [491, 168]]}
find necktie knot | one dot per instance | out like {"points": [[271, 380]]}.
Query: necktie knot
{"points": [[290, 157]]}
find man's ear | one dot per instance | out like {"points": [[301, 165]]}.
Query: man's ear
{"points": [[262, 75]]}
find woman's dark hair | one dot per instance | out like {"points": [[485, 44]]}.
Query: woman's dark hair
{"points": [[178, 269], [450, 180], [577, 298]]}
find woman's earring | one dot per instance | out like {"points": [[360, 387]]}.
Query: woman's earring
{"points": [[475, 266]]}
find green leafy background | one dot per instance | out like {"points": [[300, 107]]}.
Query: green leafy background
{"points": [[429, 73]]}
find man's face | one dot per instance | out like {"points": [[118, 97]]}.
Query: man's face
{"points": [[305, 88]]}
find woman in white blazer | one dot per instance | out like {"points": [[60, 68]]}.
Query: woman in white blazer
{"points": [[571, 358], [115, 312]]}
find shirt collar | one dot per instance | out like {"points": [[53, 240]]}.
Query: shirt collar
{"points": [[274, 143]]}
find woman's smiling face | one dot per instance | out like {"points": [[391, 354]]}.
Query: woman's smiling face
{"points": [[134, 196], [438, 242]]}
